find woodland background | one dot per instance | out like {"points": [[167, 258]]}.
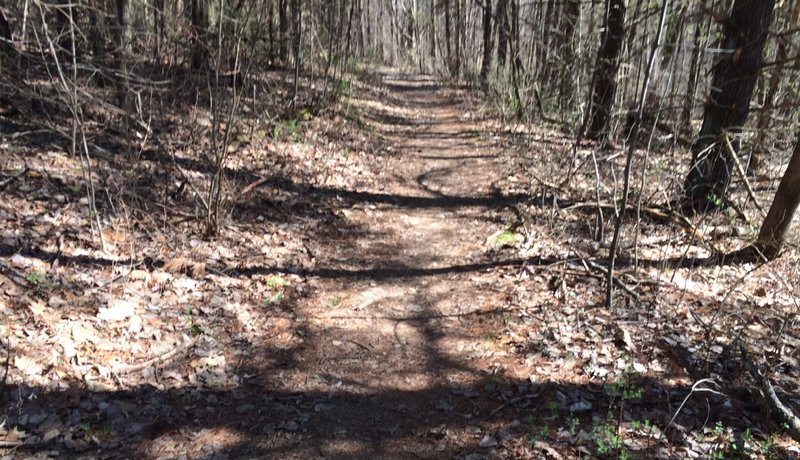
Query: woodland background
{"points": [[195, 143]]}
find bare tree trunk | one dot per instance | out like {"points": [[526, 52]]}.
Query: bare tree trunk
{"points": [[199, 17], [605, 87], [283, 29], [728, 104], [571, 21], [123, 39], [486, 63], [447, 36], [271, 32], [432, 51], [62, 25], [297, 13], [5, 35], [502, 33], [349, 32], [158, 27], [516, 61], [781, 56], [776, 225], [694, 76], [459, 33]]}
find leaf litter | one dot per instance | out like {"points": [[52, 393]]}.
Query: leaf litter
{"points": [[380, 288]]}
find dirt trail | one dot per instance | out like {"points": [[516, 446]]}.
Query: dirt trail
{"points": [[394, 323]]}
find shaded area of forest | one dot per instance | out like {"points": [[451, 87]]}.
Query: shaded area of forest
{"points": [[543, 230]]}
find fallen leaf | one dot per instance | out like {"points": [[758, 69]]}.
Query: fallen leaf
{"points": [[27, 365], [117, 310], [82, 333], [487, 441]]}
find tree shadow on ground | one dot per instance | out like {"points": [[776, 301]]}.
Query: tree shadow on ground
{"points": [[260, 418]]}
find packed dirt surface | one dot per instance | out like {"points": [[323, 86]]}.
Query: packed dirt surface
{"points": [[404, 304]]}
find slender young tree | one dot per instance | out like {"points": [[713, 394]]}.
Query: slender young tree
{"points": [[571, 21], [283, 29], [776, 224], [503, 32], [781, 57], [775, 227], [447, 34], [728, 103], [199, 17], [605, 79], [5, 34], [486, 62]]}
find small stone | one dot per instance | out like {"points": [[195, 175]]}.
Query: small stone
{"points": [[487, 441], [244, 408], [291, 425]]}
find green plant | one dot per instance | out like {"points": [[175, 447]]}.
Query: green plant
{"points": [[554, 407], [769, 448], [276, 282], [573, 424], [544, 432], [40, 279], [606, 436], [286, 127], [344, 89], [274, 298], [191, 325]]}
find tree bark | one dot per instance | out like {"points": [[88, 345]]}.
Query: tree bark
{"points": [[158, 26], [199, 17], [728, 103], [5, 35], [571, 20], [447, 35], [459, 33], [605, 87], [432, 50], [486, 62], [694, 76], [503, 31], [781, 56], [776, 225], [297, 14], [123, 39], [283, 29]]}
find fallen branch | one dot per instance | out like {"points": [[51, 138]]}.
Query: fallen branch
{"points": [[696, 388], [128, 368], [784, 413], [5, 182], [621, 284], [732, 155]]}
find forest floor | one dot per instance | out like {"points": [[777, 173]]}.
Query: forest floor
{"points": [[405, 279]]}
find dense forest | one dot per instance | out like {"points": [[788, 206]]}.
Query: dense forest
{"points": [[399, 229]]}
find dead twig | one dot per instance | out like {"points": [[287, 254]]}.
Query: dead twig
{"points": [[5, 182], [621, 284], [696, 388], [732, 155], [128, 368], [785, 414]]}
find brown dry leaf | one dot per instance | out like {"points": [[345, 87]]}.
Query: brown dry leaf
{"points": [[37, 307], [12, 437], [27, 365], [177, 264], [82, 333], [75, 444], [117, 310]]}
